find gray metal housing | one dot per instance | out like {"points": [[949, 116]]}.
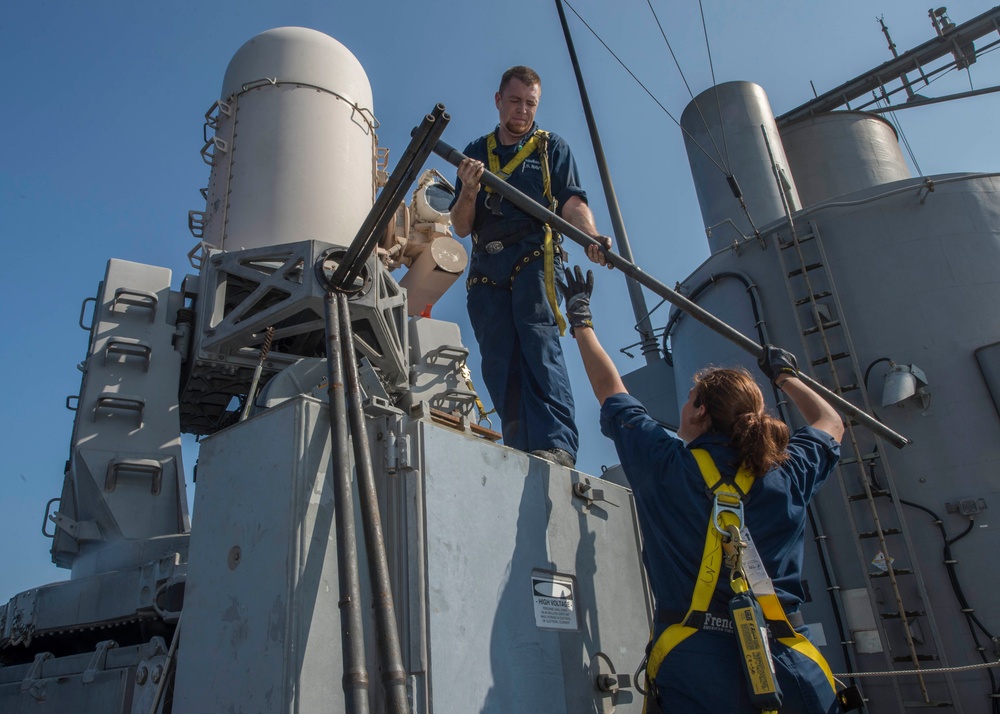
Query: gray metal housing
{"points": [[507, 573], [903, 271]]}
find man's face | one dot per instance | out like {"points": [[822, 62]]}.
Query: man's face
{"points": [[517, 106]]}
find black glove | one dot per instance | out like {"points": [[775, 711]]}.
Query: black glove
{"points": [[776, 361], [577, 292]]}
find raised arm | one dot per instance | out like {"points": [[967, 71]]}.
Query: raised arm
{"points": [[601, 371], [782, 369], [604, 378]]}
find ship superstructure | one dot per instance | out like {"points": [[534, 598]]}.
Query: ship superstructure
{"points": [[516, 585]]}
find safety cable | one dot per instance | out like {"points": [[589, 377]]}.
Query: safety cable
{"points": [[906, 143], [711, 66], [677, 64], [906, 672], [651, 96]]}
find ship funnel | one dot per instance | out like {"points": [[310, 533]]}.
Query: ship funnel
{"points": [[837, 153], [722, 134]]}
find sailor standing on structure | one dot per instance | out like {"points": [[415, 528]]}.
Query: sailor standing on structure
{"points": [[512, 298], [707, 654]]}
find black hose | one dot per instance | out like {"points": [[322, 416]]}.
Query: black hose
{"points": [[676, 314], [956, 586]]}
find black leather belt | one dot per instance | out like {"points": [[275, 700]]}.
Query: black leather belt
{"points": [[495, 236]]}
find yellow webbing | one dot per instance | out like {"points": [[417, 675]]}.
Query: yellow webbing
{"points": [[539, 140], [505, 173], [708, 577], [711, 564]]}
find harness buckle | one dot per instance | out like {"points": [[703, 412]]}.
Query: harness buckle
{"points": [[493, 247], [726, 503], [493, 201]]}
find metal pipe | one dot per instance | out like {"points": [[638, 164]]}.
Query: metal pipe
{"points": [[387, 635], [648, 341], [536, 210], [910, 104], [355, 680], [396, 187]]}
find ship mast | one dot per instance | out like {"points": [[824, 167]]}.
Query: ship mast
{"points": [[951, 39], [648, 340]]}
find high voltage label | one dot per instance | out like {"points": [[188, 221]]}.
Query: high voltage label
{"points": [[555, 601]]}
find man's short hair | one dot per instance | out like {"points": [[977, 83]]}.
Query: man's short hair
{"points": [[525, 74]]}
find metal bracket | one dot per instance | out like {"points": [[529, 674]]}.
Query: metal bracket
{"points": [[32, 682], [125, 347], [448, 353], [135, 298], [608, 684], [154, 577], [81, 531], [583, 489], [99, 661], [140, 467], [113, 401]]}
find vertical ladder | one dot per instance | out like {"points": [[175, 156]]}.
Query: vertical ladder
{"points": [[874, 512]]}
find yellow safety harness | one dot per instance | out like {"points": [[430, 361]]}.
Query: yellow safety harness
{"points": [[539, 141], [725, 536]]}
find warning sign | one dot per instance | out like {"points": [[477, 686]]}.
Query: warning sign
{"points": [[555, 601]]}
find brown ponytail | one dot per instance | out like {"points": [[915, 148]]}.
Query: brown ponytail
{"points": [[735, 406]]}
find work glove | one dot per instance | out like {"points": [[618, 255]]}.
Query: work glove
{"points": [[776, 361], [577, 292]]}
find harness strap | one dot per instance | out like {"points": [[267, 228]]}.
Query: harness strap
{"points": [[708, 578], [714, 620], [505, 173], [539, 141], [711, 562]]}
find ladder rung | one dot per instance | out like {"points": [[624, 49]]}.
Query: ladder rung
{"points": [[846, 388], [863, 497], [874, 456], [826, 326], [920, 658], [831, 358], [885, 532], [801, 239], [909, 613], [816, 296], [804, 269], [896, 571]]}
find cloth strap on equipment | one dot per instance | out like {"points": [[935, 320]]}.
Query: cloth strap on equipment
{"points": [[726, 515], [539, 141]]}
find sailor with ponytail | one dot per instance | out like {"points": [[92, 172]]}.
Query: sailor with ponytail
{"points": [[726, 442]]}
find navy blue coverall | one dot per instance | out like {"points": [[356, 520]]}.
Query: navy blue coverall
{"points": [[522, 359], [703, 673]]}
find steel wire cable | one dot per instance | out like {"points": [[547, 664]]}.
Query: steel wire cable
{"points": [[645, 89]]}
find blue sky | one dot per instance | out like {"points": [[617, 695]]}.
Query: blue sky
{"points": [[102, 123]]}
